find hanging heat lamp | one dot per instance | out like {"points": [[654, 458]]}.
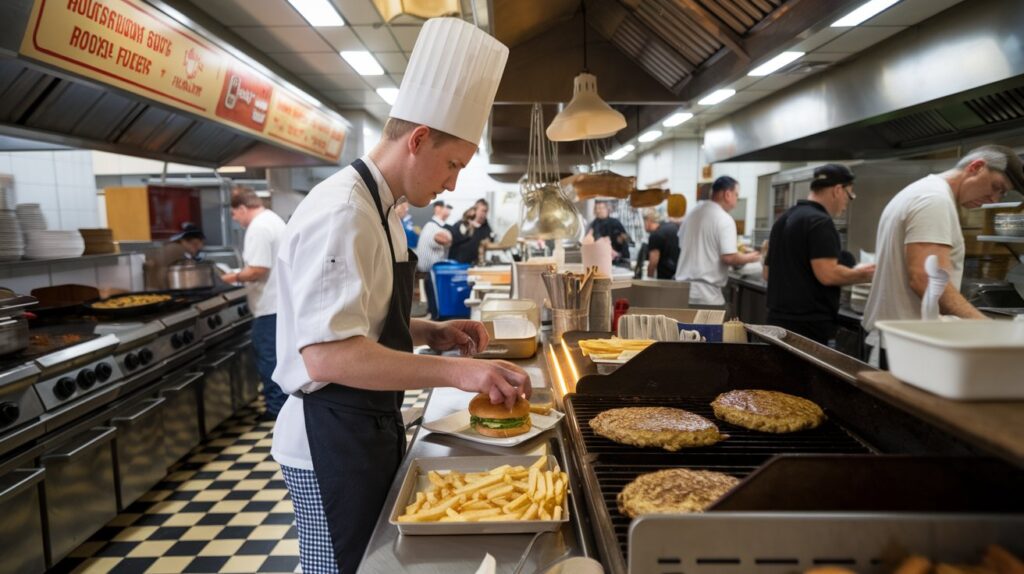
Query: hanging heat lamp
{"points": [[587, 116]]}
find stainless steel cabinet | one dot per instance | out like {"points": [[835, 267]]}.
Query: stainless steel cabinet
{"points": [[217, 402], [245, 377], [21, 529], [182, 430], [80, 491], [139, 446]]}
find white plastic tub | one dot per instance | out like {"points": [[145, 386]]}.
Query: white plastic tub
{"points": [[972, 360]]}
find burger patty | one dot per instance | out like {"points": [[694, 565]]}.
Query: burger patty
{"points": [[673, 490], [668, 428], [767, 411]]}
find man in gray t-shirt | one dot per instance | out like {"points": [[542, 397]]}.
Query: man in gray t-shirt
{"points": [[922, 220]]}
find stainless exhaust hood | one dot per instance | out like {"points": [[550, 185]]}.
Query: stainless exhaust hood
{"points": [[954, 77]]}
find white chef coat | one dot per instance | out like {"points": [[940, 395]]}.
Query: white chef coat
{"points": [[334, 281], [706, 234], [262, 240]]}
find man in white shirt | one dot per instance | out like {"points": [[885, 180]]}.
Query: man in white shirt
{"points": [[707, 244], [922, 220], [435, 239], [263, 232], [345, 274]]}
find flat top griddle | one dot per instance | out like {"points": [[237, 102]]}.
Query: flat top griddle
{"points": [[745, 451]]}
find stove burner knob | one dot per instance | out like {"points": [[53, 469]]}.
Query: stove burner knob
{"points": [[187, 336], [131, 361], [220, 320], [86, 379], [64, 388], [241, 310], [9, 412], [145, 356], [176, 341], [212, 322], [103, 371]]}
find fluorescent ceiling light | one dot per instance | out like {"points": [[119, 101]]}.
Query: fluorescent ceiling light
{"points": [[620, 153], [649, 136], [389, 95], [676, 119], [776, 63], [318, 13], [717, 97], [864, 12], [231, 169], [363, 63]]}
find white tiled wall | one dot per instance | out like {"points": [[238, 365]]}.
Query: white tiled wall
{"points": [[61, 182], [121, 273]]}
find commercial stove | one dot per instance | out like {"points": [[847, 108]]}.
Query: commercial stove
{"points": [[872, 474]]}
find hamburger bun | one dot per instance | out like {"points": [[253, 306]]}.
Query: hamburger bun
{"points": [[497, 421]]}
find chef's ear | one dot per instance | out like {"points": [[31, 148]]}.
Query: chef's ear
{"points": [[418, 137]]}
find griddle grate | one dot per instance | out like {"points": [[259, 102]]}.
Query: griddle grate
{"points": [[616, 465]]}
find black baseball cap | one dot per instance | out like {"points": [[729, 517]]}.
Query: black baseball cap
{"points": [[831, 174], [188, 231]]}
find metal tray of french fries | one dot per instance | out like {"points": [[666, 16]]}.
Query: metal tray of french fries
{"points": [[472, 496]]}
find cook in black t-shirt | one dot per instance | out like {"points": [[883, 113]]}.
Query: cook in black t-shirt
{"points": [[665, 240], [805, 273]]}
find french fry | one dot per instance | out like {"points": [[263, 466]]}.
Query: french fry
{"points": [[549, 486], [543, 513], [478, 514], [538, 495], [531, 513], [541, 461], [436, 479], [532, 482], [451, 512], [499, 492], [557, 515], [478, 485], [522, 500], [500, 470]]}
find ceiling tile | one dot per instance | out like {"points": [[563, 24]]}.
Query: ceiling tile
{"points": [[342, 38], [406, 36], [819, 39], [380, 81], [910, 12], [312, 63], [358, 12], [252, 12], [340, 81], [376, 38], [861, 38], [284, 38], [392, 62]]}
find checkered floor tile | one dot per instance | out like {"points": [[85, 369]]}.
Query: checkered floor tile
{"points": [[224, 508]]}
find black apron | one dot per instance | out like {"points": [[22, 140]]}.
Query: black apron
{"points": [[356, 436]]}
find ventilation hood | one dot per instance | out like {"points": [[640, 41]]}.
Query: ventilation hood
{"points": [[956, 77], [222, 109]]}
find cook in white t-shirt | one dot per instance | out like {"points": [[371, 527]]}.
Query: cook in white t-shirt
{"points": [[707, 244], [922, 220]]}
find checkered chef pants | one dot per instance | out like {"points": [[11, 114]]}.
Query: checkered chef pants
{"points": [[316, 553]]}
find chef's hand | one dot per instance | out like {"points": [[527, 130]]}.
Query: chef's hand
{"points": [[501, 380], [469, 337], [230, 278]]}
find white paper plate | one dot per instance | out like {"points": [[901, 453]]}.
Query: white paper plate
{"points": [[457, 424]]}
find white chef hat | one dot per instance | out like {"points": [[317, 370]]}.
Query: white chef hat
{"points": [[451, 80]]}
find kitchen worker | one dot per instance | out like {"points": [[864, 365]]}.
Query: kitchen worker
{"points": [[662, 245], [344, 279], [805, 266], [606, 226], [707, 244], [263, 232], [435, 241], [471, 233], [186, 245], [922, 220]]}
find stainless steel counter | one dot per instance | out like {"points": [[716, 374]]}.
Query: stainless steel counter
{"points": [[390, 552]]}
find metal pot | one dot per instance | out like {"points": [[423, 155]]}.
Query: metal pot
{"points": [[188, 274], [13, 325]]}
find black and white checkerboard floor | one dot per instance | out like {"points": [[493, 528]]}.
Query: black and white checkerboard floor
{"points": [[224, 508]]}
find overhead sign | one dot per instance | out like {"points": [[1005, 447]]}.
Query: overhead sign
{"points": [[136, 47]]}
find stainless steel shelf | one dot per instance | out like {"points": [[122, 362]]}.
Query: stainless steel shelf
{"points": [[1001, 239], [35, 262]]}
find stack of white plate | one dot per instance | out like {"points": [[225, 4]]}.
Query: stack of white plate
{"points": [[12, 243], [30, 217], [859, 296], [53, 244]]}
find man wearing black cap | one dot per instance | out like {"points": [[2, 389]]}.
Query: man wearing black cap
{"points": [[192, 239], [435, 240], [805, 273]]}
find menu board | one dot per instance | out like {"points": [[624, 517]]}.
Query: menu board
{"points": [[134, 46]]}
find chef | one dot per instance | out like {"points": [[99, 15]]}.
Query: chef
{"points": [[344, 278]]}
